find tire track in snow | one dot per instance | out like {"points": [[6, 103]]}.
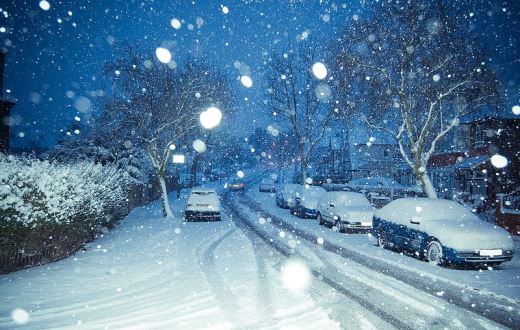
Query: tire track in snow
{"points": [[326, 278], [263, 287], [206, 260]]}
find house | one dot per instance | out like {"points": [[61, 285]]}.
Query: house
{"points": [[5, 109], [462, 169], [333, 160], [376, 160]]}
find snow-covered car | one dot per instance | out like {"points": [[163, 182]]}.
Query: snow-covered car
{"points": [[236, 185], [283, 194], [345, 210], [306, 199], [266, 185], [441, 231], [380, 191], [202, 204]]}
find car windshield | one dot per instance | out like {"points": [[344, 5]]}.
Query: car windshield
{"points": [[259, 164], [357, 201]]}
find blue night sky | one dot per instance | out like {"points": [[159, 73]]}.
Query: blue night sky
{"points": [[56, 56]]}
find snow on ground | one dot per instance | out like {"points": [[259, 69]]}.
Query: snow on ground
{"points": [[157, 273], [503, 282]]}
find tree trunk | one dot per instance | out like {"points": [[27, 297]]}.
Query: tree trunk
{"points": [[427, 185], [303, 172], [303, 164], [193, 171], [167, 212]]}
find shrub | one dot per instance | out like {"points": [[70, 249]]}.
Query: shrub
{"points": [[42, 201]]}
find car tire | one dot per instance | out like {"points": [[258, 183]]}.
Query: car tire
{"points": [[320, 220], [434, 252], [337, 224], [382, 238]]}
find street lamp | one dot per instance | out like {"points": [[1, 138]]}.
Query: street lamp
{"points": [[210, 118]]}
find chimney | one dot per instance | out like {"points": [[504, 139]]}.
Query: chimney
{"points": [[3, 52]]}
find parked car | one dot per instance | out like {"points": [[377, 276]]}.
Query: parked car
{"points": [[381, 191], [236, 185], [441, 231], [202, 204], [306, 199], [345, 210], [267, 185], [284, 193]]}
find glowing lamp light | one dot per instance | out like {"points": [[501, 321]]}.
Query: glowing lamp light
{"points": [[178, 159], [210, 118]]}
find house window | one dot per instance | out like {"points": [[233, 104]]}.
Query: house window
{"points": [[480, 135], [479, 183]]}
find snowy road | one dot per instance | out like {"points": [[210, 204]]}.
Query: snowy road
{"points": [[156, 273]]}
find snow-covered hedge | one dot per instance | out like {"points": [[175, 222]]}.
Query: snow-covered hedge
{"points": [[41, 200]]}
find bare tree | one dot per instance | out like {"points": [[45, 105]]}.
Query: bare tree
{"points": [[413, 71], [298, 99], [154, 106]]}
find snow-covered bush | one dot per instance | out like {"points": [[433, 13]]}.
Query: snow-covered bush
{"points": [[133, 161], [42, 200]]}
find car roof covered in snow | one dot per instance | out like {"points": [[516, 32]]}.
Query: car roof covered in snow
{"points": [[424, 209]]}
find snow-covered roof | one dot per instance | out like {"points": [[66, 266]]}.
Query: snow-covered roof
{"points": [[2, 100], [471, 162]]}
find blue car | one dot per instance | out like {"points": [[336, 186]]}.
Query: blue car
{"points": [[442, 232], [284, 193]]}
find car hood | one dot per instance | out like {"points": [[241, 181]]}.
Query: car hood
{"points": [[469, 235]]}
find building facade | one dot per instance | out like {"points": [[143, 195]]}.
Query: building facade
{"points": [[5, 109]]}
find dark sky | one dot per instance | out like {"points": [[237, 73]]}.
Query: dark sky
{"points": [[55, 55]]}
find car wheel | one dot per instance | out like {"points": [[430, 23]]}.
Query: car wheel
{"points": [[337, 224], [320, 220], [382, 239], [434, 252]]}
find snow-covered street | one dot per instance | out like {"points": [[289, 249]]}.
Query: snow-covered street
{"points": [[157, 273]]}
